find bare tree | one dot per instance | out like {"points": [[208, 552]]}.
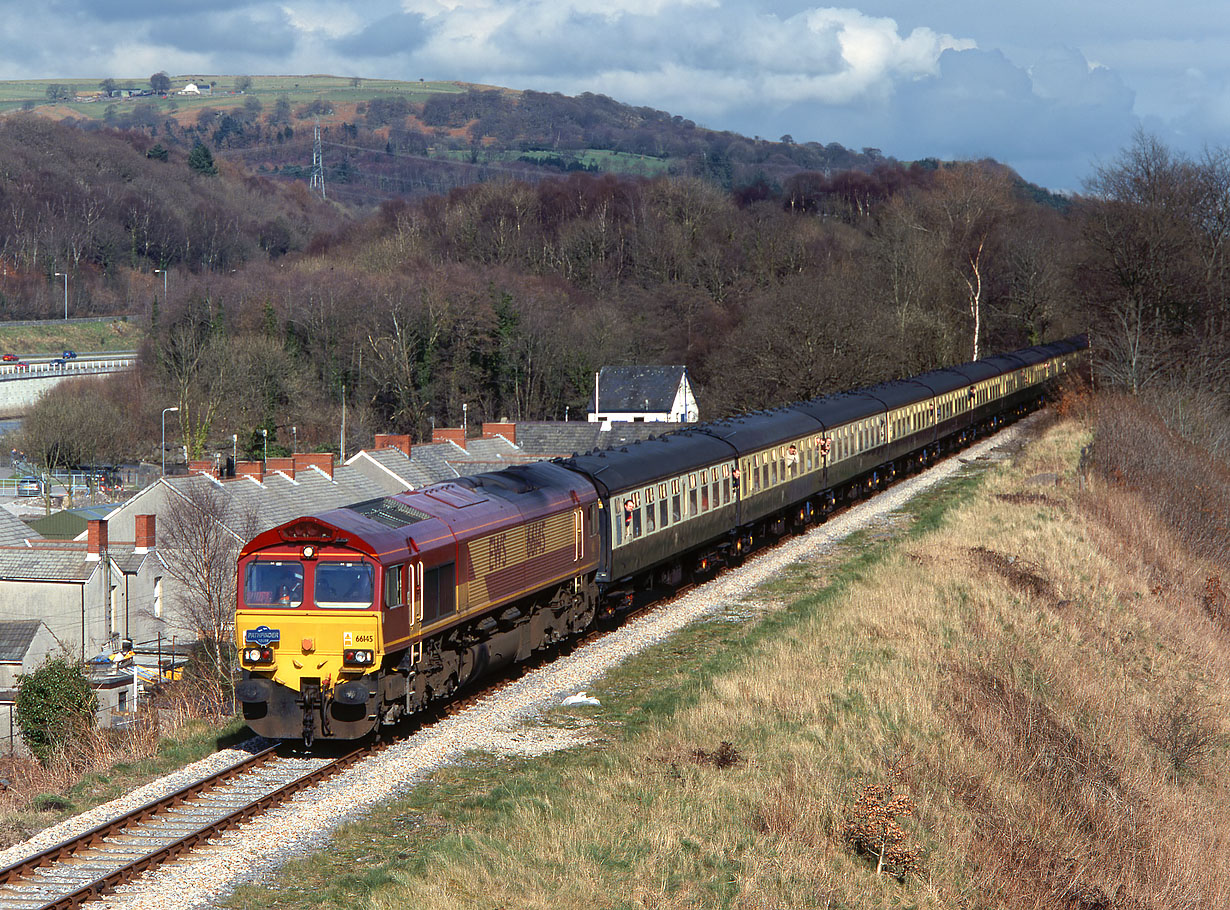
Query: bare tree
{"points": [[201, 532]]}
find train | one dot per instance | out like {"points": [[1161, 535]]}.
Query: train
{"points": [[350, 620]]}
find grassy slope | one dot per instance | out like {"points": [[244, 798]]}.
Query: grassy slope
{"points": [[1016, 658], [83, 337]]}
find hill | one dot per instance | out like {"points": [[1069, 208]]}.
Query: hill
{"points": [[383, 138]]}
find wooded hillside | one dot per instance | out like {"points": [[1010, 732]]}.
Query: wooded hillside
{"points": [[505, 295]]}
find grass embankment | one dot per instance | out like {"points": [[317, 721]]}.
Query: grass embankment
{"points": [[1016, 698], [50, 339], [103, 767]]}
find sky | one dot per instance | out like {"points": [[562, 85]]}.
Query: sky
{"points": [[1052, 88]]}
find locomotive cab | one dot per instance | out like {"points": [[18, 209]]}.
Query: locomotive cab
{"points": [[310, 634]]}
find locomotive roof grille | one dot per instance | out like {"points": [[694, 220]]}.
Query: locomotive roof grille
{"points": [[392, 513]]}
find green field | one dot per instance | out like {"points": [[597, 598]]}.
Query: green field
{"points": [[118, 334], [16, 94]]}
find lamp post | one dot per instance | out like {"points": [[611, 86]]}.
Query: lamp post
{"points": [[65, 276], [165, 412], [265, 433], [294, 440], [234, 447], [164, 283], [464, 409]]}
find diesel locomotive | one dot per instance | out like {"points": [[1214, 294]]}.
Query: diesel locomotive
{"points": [[351, 619]]}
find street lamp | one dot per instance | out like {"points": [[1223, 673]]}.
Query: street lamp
{"points": [[164, 283], [234, 447], [464, 409], [165, 412], [265, 433], [65, 276], [294, 440]]}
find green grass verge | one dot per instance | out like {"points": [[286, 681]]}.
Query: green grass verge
{"points": [[51, 338], [455, 820]]}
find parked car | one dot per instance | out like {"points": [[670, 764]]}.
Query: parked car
{"points": [[22, 365], [58, 363], [69, 355], [8, 358], [29, 486]]}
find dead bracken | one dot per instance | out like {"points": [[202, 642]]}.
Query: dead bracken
{"points": [[1024, 499], [1014, 570], [725, 756]]}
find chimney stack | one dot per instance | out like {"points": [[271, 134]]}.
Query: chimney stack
{"points": [[393, 441], [449, 434], [144, 538], [502, 428], [96, 539], [322, 460], [253, 469]]}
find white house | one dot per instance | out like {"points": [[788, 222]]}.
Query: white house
{"points": [[660, 394]]}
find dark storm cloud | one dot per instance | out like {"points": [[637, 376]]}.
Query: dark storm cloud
{"points": [[398, 33]]}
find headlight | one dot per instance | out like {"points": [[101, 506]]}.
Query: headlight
{"points": [[258, 655], [358, 658]]}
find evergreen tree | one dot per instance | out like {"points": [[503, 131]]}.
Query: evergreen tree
{"points": [[54, 705], [201, 160]]}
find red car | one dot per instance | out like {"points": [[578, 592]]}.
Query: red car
{"points": [[8, 358]]}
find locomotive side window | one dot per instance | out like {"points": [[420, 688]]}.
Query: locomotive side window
{"points": [[394, 590], [439, 594], [344, 585], [273, 584]]}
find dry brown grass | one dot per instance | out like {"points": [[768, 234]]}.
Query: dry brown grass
{"points": [[1039, 683]]}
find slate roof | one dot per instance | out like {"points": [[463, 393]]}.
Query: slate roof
{"points": [[62, 562], [557, 439], [637, 388], [15, 638], [14, 531]]}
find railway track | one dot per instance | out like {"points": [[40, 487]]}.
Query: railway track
{"points": [[81, 869], [113, 853]]}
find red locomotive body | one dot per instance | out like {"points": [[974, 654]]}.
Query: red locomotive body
{"points": [[355, 617]]}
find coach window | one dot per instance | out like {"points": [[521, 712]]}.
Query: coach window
{"points": [[650, 526], [393, 586], [676, 513], [663, 514]]}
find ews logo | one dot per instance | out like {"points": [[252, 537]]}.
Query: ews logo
{"points": [[536, 539], [497, 552]]}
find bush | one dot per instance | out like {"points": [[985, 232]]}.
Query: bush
{"points": [[55, 705]]}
